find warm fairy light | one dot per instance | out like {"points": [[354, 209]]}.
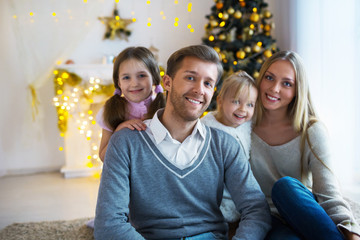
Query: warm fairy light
{"points": [[235, 63], [89, 164], [189, 26], [192, 30], [252, 26], [56, 72], [161, 12], [65, 75], [176, 19], [259, 44], [54, 14], [61, 148], [148, 2], [222, 24], [211, 38], [255, 10], [95, 148], [176, 1], [189, 6], [220, 15], [31, 14], [59, 92], [85, 1], [14, 16]]}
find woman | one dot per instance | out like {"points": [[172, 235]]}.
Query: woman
{"points": [[290, 157]]}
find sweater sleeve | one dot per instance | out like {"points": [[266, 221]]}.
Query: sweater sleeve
{"points": [[325, 185], [255, 219], [111, 220]]}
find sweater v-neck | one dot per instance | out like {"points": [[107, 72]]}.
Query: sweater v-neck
{"points": [[181, 173]]}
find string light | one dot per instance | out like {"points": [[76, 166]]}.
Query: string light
{"points": [[189, 7], [176, 23]]}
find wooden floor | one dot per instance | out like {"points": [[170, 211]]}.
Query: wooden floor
{"points": [[44, 197]]}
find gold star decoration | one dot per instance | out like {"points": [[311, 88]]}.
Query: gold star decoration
{"points": [[116, 26]]}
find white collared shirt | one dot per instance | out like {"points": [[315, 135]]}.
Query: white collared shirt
{"points": [[181, 155]]}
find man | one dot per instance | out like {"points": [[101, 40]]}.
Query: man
{"points": [[167, 182]]}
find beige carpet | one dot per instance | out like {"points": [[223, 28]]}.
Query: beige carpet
{"points": [[55, 230], [74, 229]]}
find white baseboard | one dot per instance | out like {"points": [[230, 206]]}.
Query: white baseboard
{"points": [[27, 171]]}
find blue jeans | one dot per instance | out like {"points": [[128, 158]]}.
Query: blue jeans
{"points": [[304, 217], [204, 236]]}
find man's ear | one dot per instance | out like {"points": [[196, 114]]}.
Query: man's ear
{"points": [[167, 81]]}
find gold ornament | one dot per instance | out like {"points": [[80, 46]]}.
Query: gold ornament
{"points": [[256, 74], [267, 53], [240, 54], [267, 14], [222, 37], [225, 16], [214, 23], [116, 26], [230, 10], [219, 5], [267, 27], [254, 17], [247, 49], [256, 48], [237, 14], [217, 49]]}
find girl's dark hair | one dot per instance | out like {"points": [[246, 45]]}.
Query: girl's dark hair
{"points": [[115, 110]]}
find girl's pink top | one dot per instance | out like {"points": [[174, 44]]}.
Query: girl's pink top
{"points": [[136, 111]]}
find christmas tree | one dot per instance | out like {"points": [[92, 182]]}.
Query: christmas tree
{"points": [[240, 31]]}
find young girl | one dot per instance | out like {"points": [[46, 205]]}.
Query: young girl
{"points": [[290, 157], [235, 108], [135, 73]]}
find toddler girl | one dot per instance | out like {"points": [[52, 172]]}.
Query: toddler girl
{"points": [[235, 108]]}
